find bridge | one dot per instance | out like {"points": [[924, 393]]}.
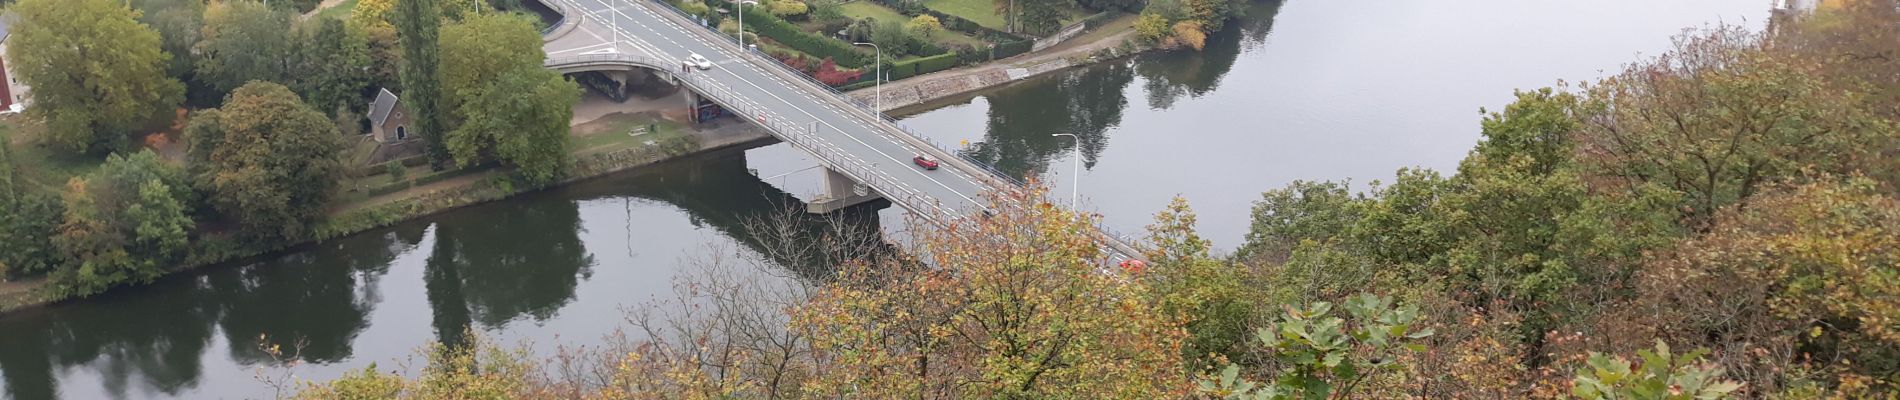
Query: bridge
{"points": [[866, 154]]}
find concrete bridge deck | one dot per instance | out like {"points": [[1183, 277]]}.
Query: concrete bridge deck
{"points": [[852, 140]]}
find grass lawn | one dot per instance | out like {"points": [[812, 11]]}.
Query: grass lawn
{"points": [[38, 162], [621, 131], [882, 14], [983, 12], [342, 10]]}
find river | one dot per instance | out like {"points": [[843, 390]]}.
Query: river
{"points": [[1306, 89]]}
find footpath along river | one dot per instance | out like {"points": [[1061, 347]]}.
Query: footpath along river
{"points": [[1299, 89]]}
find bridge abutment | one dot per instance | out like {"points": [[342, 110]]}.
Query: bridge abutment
{"points": [[840, 192]]}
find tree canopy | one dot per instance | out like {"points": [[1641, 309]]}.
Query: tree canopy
{"points": [[266, 160], [506, 107], [96, 72], [243, 42]]}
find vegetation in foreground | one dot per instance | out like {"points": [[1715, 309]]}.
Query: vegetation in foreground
{"points": [[1714, 222]]}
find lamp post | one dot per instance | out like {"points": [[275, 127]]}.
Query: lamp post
{"points": [[1075, 186], [879, 79], [739, 7]]}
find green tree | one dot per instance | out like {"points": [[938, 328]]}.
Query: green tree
{"points": [[1318, 356], [1210, 294], [180, 25], [25, 218], [267, 161], [243, 42], [96, 72], [479, 50], [334, 65], [96, 251], [522, 121], [418, 23]]}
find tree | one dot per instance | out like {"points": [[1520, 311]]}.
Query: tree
{"points": [[924, 25], [96, 72], [1210, 294], [505, 106], [180, 25], [522, 121], [267, 161], [243, 42], [479, 50], [124, 224], [1716, 118], [417, 22], [1013, 306], [95, 249], [893, 38], [25, 218], [334, 66], [1317, 356]]}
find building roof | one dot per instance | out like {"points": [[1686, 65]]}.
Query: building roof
{"points": [[380, 109]]}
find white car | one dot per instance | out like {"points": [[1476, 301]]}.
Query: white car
{"points": [[699, 61]]}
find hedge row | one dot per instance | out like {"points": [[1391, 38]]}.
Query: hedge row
{"points": [[1010, 49], [816, 45], [920, 66]]}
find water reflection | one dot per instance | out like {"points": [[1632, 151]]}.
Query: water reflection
{"points": [[1170, 76], [506, 263], [1085, 104], [151, 340]]}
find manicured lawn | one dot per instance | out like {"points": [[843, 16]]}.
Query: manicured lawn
{"points": [[342, 10], [882, 14], [983, 12]]}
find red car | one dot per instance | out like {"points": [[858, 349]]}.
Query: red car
{"points": [[924, 162]]}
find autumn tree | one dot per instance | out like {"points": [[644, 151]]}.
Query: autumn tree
{"points": [[1209, 294], [1716, 119], [124, 224], [96, 72], [924, 25], [1015, 305], [243, 42], [267, 161], [1315, 354]]}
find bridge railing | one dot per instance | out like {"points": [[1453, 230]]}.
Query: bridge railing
{"points": [[847, 99], [800, 135]]}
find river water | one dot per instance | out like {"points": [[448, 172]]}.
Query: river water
{"points": [[1305, 89]]}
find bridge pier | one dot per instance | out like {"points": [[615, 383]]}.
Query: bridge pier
{"points": [[840, 192]]}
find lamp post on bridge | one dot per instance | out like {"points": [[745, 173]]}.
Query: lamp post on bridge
{"points": [[879, 78], [739, 8], [1075, 186]]}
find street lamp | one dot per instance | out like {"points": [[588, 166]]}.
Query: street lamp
{"points": [[739, 7], [879, 78], [1075, 187]]}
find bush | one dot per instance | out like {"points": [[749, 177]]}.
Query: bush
{"points": [[906, 69], [1012, 48]]}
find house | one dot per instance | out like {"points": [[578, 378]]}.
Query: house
{"points": [[389, 119], [13, 95]]}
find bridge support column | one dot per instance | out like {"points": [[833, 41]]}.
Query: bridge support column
{"points": [[840, 192], [692, 105]]}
